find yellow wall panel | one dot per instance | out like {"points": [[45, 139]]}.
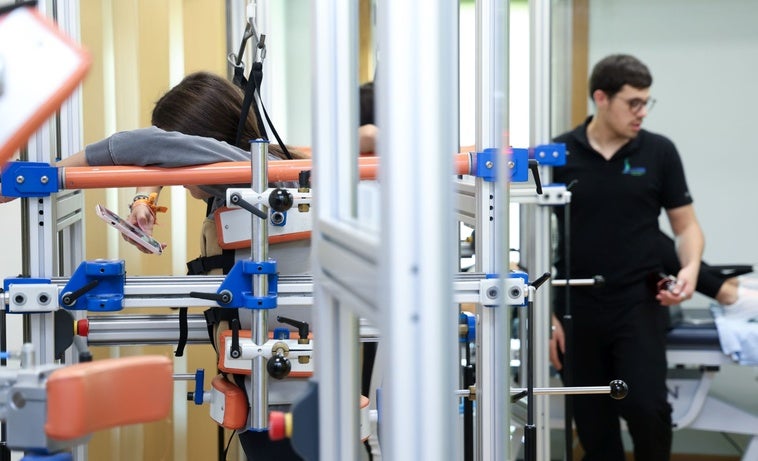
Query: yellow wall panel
{"points": [[135, 48]]}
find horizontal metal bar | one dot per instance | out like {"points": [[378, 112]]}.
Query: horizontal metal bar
{"points": [[113, 330], [150, 329], [147, 292]]}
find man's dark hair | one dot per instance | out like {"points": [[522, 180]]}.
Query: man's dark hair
{"points": [[617, 70]]}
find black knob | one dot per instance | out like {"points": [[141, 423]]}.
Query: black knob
{"points": [[280, 200], [278, 366], [619, 389]]}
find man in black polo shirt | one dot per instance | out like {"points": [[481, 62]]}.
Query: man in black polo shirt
{"points": [[622, 176]]}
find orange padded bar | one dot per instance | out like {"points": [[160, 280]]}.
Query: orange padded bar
{"points": [[92, 396], [214, 173]]}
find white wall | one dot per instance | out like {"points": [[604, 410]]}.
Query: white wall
{"points": [[704, 58]]}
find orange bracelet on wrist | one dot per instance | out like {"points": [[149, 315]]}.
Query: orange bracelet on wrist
{"points": [[149, 201]]}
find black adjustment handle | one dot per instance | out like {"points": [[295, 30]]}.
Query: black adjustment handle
{"points": [[518, 396], [235, 352], [69, 299], [236, 199], [225, 297], [303, 329], [540, 280], [534, 166]]}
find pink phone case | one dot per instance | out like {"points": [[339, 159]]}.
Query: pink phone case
{"points": [[125, 227]]}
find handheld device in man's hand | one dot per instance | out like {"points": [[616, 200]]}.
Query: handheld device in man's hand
{"points": [[136, 234]]}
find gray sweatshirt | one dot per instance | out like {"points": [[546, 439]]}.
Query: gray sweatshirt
{"points": [[155, 147]]}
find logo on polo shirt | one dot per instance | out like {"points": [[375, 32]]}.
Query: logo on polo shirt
{"points": [[633, 170]]}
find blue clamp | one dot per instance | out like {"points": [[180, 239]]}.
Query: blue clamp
{"points": [[519, 275], [486, 164], [551, 154], [96, 286], [520, 160], [29, 179], [279, 333], [239, 283], [468, 319], [197, 395]]}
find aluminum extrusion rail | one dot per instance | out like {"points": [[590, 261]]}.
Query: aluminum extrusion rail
{"points": [[293, 290]]}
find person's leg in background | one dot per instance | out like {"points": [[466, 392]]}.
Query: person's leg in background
{"points": [[640, 356], [596, 416]]}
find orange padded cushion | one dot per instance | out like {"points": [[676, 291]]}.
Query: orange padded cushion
{"points": [[92, 396]]}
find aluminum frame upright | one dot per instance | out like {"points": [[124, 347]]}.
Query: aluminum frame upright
{"points": [[52, 226], [343, 259], [398, 276], [536, 241], [493, 338]]}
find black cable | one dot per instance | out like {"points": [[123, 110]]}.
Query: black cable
{"points": [[228, 444]]}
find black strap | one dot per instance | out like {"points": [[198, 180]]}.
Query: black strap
{"points": [[253, 83], [204, 264], [252, 86], [215, 315]]}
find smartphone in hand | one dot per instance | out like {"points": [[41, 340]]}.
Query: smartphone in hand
{"points": [[126, 228]]}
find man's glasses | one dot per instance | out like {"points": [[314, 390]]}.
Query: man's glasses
{"points": [[636, 104]]}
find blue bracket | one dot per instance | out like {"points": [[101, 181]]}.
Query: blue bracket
{"points": [[486, 164], [520, 160], [468, 319], [239, 283], [29, 179], [279, 333], [199, 382], [519, 275], [550, 154], [96, 286], [278, 218]]}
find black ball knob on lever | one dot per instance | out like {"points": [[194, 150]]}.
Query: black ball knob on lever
{"points": [[619, 389], [280, 200], [278, 366]]}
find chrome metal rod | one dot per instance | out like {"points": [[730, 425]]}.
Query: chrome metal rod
{"points": [[184, 376], [617, 390], [597, 280], [114, 330]]}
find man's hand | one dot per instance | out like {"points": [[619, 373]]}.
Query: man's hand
{"points": [[557, 343]]}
